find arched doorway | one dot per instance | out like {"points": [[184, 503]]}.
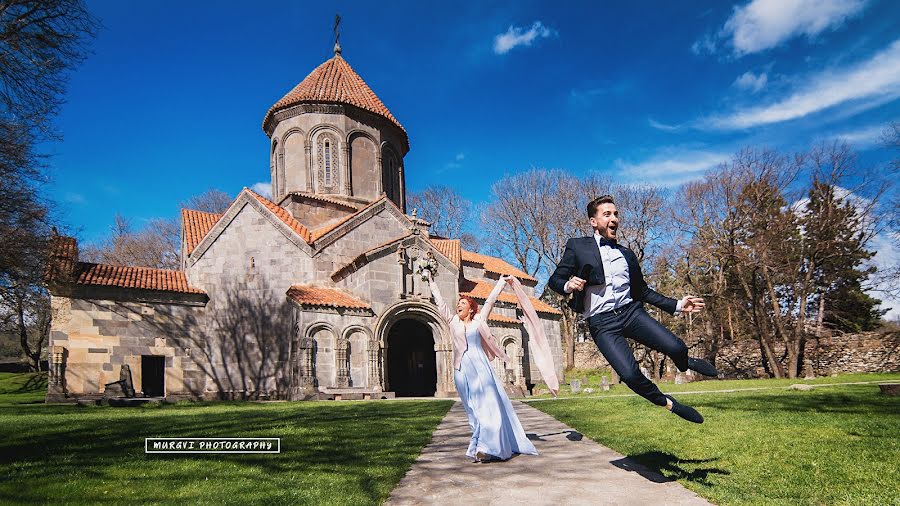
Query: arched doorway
{"points": [[411, 361]]}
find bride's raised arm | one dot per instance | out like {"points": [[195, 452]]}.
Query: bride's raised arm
{"points": [[439, 300], [492, 298]]}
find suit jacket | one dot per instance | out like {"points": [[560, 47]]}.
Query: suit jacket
{"points": [[582, 251], [458, 328]]}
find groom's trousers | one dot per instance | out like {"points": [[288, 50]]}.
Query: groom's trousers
{"points": [[610, 330]]}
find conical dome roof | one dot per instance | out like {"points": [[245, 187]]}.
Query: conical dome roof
{"points": [[334, 81]]}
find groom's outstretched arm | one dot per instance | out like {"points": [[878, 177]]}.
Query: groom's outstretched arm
{"points": [[642, 292], [564, 270]]}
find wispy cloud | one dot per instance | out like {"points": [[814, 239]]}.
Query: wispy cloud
{"points": [[263, 188], [74, 198], [456, 163], [520, 36], [662, 126], [875, 80], [672, 166], [752, 82], [764, 24], [590, 92], [862, 138]]}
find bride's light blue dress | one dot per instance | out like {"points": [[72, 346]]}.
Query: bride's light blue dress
{"points": [[496, 429]]}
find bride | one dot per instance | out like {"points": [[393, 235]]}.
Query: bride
{"points": [[496, 431]]}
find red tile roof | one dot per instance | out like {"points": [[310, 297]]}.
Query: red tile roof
{"points": [[325, 198], [481, 290], [284, 216], [63, 256], [132, 277], [495, 265], [334, 81], [324, 297], [502, 319], [196, 225], [450, 248]]}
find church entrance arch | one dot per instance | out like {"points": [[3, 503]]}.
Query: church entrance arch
{"points": [[411, 359], [415, 350]]}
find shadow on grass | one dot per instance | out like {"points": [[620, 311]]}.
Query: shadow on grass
{"points": [[865, 401], [370, 446], [571, 435], [660, 467]]}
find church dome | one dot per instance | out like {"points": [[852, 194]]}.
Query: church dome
{"points": [[333, 82]]}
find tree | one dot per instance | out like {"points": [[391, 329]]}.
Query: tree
{"points": [[451, 215], [838, 224], [41, 41], [157, 244]]}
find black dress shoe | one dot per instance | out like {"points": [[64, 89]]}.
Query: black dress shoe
{"points": [[702, 366], [684, 411]]}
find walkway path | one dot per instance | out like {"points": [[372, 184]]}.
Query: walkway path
{"points": [[570, 470]]}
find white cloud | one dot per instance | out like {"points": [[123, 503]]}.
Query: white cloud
{"points": [[460, 157], [75, 198], [764, 24], [262, 188], [662, 126], [519, 36], [752, 82], [864, 137], [672, 166], [705, 45], [876, 80]]}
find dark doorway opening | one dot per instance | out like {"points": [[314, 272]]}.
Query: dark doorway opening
{"points": [[153, 374], [412, 366]]}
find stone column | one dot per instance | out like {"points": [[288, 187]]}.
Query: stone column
{"points": [[309, 168], [56, 391], [402, 186], [345, 151], [379, 181], [373, 366], [342, 364]]}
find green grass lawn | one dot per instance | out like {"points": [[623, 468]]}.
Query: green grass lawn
{"points": [[593, 382], [331, 453], [831, 445]]}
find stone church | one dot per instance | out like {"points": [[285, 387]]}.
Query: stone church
{"points": [[311, 293]]}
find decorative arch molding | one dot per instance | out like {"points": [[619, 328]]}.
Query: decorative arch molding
{"points": [[356, 132], [314, 131], [350, 329], [329, 159], [312, 328], [507, 339], [425, 312], [295, 171]]}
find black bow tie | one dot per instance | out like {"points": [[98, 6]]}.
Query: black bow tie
{"points": [[606, 242]]}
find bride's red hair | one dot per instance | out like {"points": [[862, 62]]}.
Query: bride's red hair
{"points": [[472, 304]]}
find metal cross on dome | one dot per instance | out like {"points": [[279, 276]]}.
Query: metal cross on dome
{"points": [[337, 34]]}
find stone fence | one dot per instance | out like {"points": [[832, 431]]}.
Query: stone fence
{"points": [[849, 353]]}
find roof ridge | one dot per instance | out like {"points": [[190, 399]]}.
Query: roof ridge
{"points": [[283, 215], [322, 231]]}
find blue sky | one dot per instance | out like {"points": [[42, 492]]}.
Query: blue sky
{"points": [[171, 101]]}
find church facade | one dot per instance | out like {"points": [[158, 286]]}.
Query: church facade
{"points": [[312, 292]]}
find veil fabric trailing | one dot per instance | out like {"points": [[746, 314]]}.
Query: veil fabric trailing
{"points": [[540, 347]]}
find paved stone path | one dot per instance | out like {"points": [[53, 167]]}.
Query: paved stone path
{"points": [[570, 470]]}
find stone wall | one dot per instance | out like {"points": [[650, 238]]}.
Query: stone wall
{"points": [[865, 352], [851, 353], [100, 336]]}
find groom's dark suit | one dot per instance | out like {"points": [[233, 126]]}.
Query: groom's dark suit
{"points": [[610, 329]]}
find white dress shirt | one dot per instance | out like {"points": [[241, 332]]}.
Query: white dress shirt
{"points": [[616, 291]]}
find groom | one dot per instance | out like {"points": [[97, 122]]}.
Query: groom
{"points": [[609, 289]]}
